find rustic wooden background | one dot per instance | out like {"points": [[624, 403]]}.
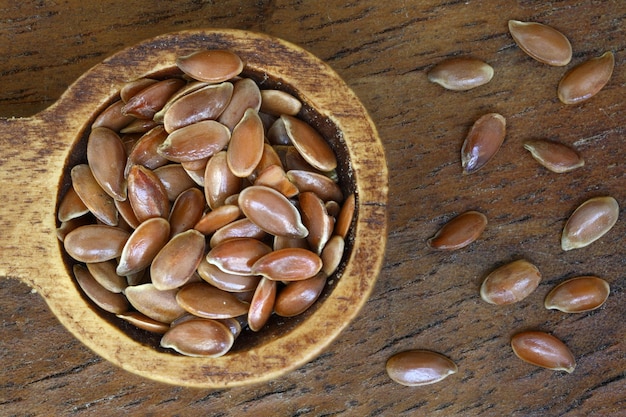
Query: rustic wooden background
{"points": [[423, 299]]}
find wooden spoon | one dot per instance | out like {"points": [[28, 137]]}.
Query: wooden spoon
{"points": [[37, 152]]}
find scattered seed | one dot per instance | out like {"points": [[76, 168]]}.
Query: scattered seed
{"points": [[482, 142], [510, 283], [589, 222], [419, 367], [586, 80], [462, 73], [544, 350], [578, 295], [459, 232], [541, 42], [555, 156]]}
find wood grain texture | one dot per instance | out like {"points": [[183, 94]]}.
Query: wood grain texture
{"points": [[424, 299]]}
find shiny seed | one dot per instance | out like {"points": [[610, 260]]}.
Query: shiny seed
{"points": [[100, 204], [237, 229], [317, 221], [139, 126], [176, 262], [67, 226], [196, 141], [95, 243], [298, 296], [219, 182], [225, 281], [144, 151], [459, 232], [345, 217], [104, 273], [332, 254], [277, 103], [158, 305], [246, 95], [462, 73], [107, 159], [510, 283], [207, 103], [578, 295], [133, 87], [125, 210], [146, 194], [213, 66], [204, 300], [310, 144], [271, 211], [275, 177], [262, 304], [541, 42], [190, 87], [323, 186], [268, 158], [151, 99], [419, 367], [112, 117], [187, 210], [109, 301], [199, 338], [143, 245], [555, 156], [175, 180], [277, 133], [482, 142], [589, 222], [245, 148], [216, 219], [236, 256], [291, 264], [586, 80], [543, 349], [71, 206], [144, 322]]}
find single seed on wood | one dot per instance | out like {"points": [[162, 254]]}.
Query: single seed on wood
{"points": [[151, 99], [109, 301], [459, 232], [143, 245], [104, 273], [204, 300], [219, 182], [271, 211], [543, 349], [107, 159], [290, 264], [578, 295], [225, 281], [462, 73], [482, 142], [176, 262], [146, 194], [298, 296], [277, 103], [541, 42], [510, 283], [262, 304], [236, 256], [586, 80], [199, 338], [310, 144], [419, 367], [245, 148], [246, 95], [158, 305], [589, 222], [71, 206], [555, 156], [99, 203], [196, 141], [95, 243], [213, 66], [144, 322]]}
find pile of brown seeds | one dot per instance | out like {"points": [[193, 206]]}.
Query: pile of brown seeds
{"points": [[205, 205], [512, 282]]}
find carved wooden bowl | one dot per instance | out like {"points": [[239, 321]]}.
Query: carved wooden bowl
{"points": [[37, 153]]}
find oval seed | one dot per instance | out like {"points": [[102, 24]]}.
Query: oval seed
{"points": [[246, 95], [174, 265], [144, 151], [216, 219], [131, 88], [271, 211], [213, 66], [419, 367], [289, 264], [462, 73], [151, 99], [589, 222], [99, 203], [541, 42], [262, 304], [586, 80], [245, 148], [104, 273], [555, 156], [158, 305], [219, 181], [146, 194], [317, 221], [144, 322], [298, 296], [143, 245], [237, 229], [225, 281], [459, 232], [206, 103], [139, 126], [95, 243], [109, 301], [175, 180], [71, 206], [199, 338], [107, 159], [125, 210], [236, 256], [332, 254], [196, 141], [578, 295], [204, 300], [112, 117], [277, 103], [345, 217], [323, 186], [482, 142], [186, 211], [543, 349], [510, 283], [310, 144]]}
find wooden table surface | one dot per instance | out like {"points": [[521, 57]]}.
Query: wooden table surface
{"points": [[424, 299]]}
